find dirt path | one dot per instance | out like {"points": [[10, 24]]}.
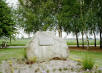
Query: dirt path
{"points": [[98, 49], [16, 47]]}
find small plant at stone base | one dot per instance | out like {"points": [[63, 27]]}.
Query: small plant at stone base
{"points": [[99, 71], [88, 63], [31, 60], [60, 69], [34, 59], [65, 69], [47, 71]]}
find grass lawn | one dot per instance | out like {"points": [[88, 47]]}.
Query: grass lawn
{"points": [[19, 53], [23, 42], [73, 42], [96, 56], [11, 53], [17, 42]]}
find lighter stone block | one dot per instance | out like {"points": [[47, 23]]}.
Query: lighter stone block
{"points": [[45, 40], [45, 46]]}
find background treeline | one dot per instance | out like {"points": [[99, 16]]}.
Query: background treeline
{"points": [[76, 16]]}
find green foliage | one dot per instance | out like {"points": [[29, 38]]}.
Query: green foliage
{"points": [[88, 63], [60, 69], [50, 14], [7, 24], [34, 59], [37, 15], [65, 69], [77, 16]]}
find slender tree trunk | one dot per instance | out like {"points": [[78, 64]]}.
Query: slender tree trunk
{"points": [[100, 38], [87, 42], [82, 39], [94, 39], [60, 32], [77, 39], [10, 40]]}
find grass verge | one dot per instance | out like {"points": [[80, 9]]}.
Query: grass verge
{"points": [[8, 53], [96, 56]]}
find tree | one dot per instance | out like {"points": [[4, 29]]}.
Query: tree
{"points": [[69, 10], [72, 15], [43, 15], [92, 22], [99, 17], [84, 18], [7, 24], [38, 14]]}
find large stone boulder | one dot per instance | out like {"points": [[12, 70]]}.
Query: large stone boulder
{"points": [[45, 46]]}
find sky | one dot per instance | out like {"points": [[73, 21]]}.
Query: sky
{"points": [[13, 3]]}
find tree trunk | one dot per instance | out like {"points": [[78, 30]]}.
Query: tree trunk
{"points": [[94, 39], [82, 39], [10, 40], [87, 42], [60, 32], [77, 39], [100, 38]]}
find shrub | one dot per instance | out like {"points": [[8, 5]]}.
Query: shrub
{"points": [[88, 63], [34, 59]]}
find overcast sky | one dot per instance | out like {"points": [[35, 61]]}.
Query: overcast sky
{"points": [[12, 3]]}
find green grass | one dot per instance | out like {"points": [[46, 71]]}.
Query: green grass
{"points": [[96, 56], [23, 42], [88, 63], [17, 42], [11, 53], [19, 53], [73, 42]]}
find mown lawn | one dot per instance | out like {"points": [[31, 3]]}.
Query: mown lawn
{"points": [[9, 53], [16, 42], [96, 56], [91, 42], [19, 53], [23, 42]]}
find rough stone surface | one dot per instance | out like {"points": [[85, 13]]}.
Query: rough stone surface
{"points": [[53, 66], [45, 45]]}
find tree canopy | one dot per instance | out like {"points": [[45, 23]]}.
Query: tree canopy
{"points": [[77, 16], [7, 24]]}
